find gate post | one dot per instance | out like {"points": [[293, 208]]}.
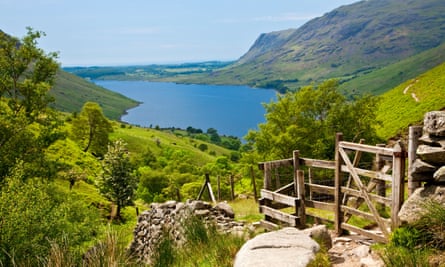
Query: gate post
{"points": [[398, 183], [413, 142], [337, 193]]}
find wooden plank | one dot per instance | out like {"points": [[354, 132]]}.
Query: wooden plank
{"points": [[363, 214], [357, 157], [290, 219], [280, 198], [384, 200], [276, 163], [338, 177], [373, 236], [301, 196], [318, 163], [398, 184], [323, 189], [366, 148], [319, 205], [369, 173], [363, 189], [285, 189]]}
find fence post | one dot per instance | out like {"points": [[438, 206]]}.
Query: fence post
{"points": [[380, 184], [232, 188], [267, 176], [296, 163], [252, 173], [301, 196], [413, 142], [337, 193], [218, 181], [398, 183]]}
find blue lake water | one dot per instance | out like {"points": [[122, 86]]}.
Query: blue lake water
{"points": [[231, 110]]}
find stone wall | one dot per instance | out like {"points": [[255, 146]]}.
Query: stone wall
{"points": [[429, 167], [169, 217]]}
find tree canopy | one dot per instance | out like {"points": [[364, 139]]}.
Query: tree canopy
{"points": [[308, 119]]}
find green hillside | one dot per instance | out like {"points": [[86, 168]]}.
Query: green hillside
{"points": [[406, 104], [71, 93]]}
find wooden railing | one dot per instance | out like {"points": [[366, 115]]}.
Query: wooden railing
{"points": [[368, 187]]}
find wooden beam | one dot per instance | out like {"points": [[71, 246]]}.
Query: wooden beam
{"points": [[323, 189], [364, 191], [338, 179], [366, 148], [373, 236], [319, 205], [318, 163], [290, 219], [280, 198]]}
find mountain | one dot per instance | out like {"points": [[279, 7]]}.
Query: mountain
{"points": [[346, 43], [71, 92]]}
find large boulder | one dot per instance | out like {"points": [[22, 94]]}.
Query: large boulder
{"points": [[413, 208], [285, 247], [434, 123]]}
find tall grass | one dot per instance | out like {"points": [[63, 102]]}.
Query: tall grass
{"points": [[204, 246]]}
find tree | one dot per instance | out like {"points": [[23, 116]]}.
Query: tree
{"points": [[26, 73], [118, 182], [307, 120], [27, 127], [91, 129]]}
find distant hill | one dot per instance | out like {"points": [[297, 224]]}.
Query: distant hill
{"points": [[71, 92], [346, 43], [406, 104]]}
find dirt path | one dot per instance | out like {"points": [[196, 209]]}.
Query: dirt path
{"points": [[413, 95]]}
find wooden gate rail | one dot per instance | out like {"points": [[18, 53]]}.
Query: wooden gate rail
{"points": [[293, 194]]}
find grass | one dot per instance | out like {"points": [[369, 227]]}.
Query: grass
{"points": [[398, 109], [71, 93]]}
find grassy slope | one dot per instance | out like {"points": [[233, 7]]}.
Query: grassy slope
{"points": [[398, 109], [71, 93], [138, 139], [379, 81]]}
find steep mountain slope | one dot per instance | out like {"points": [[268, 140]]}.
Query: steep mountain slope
{"points": [[71, 93], [345, 43], [407, 103]]}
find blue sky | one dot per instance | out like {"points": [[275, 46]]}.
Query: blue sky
{"points": [[99, 32]]}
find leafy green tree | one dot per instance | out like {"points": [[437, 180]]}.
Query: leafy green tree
{"points": [[27, 127], [118, 182], [307, 120], [91, 129], [35, 213], [26, 73]]}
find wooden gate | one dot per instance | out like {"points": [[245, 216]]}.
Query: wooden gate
{"points": [[350, 189]]}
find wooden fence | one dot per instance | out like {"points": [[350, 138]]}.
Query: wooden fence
{"points": [[364, 184]]}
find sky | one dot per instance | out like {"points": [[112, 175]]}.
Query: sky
{"points": [[110, 32]]}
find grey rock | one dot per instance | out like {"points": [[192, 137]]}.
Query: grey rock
{"points": [[226, 209], [432, 155], [434, 123], [285, 247], [432, 140], [422, 171], [413, 208], [439, 175], [321, 234]]}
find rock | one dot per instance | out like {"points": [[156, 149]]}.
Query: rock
{"points": [[413, 208], [361, 251], [434, 123], [321, 234], [432, 155], [285, 247], [225, 209], [422, 171], [439, 175], [432, 140]]}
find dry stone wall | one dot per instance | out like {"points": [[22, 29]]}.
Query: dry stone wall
{"points": [[429, 167], [169, 218]]}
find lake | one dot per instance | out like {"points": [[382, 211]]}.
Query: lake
{"points": [[231, 110]]}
